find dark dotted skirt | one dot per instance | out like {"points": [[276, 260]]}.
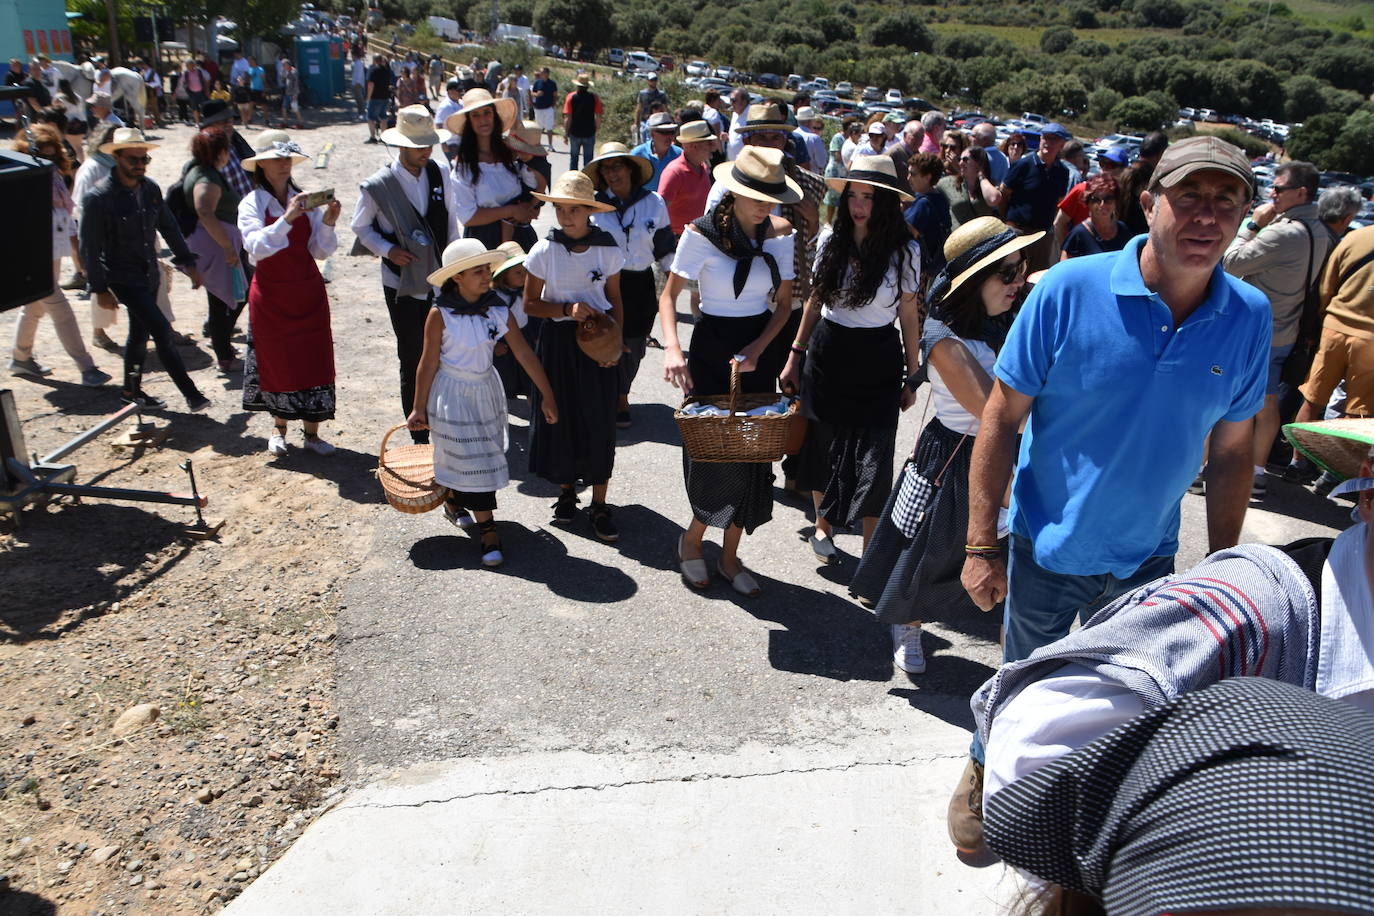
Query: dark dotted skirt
{"points": [[724, 494], [851, 466], [580, 447], [917, 578]]}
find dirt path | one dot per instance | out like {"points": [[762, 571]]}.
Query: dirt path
{"points": [[105, 605]]}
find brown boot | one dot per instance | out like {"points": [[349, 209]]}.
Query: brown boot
{"points": [[965, 816]]}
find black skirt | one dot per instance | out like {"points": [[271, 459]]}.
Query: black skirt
{"points": [[581, 445], [853, 376], [490, 234], [725, 494], [850, 466], [639, 297], [514, 380], [917, 578]]}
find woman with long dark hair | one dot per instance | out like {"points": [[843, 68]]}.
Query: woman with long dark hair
{"points": [[490, 185], [912, 572], [289, 371], [848, 358], [742, 259], [971, 193]]}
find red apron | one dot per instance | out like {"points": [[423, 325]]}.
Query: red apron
{"points": [[288, 312]]}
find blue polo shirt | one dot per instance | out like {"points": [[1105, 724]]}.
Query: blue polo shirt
{"points": [[646, 149], [1124, 401]]}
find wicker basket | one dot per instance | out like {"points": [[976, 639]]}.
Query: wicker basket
{"points": [[407, 476], [734, 438]]}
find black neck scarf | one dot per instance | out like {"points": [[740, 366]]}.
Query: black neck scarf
{"points": [[638, 193], [594, 238], [739, 247], [455, 303]]}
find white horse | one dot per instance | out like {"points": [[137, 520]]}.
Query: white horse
{"points": [[125, 85]]}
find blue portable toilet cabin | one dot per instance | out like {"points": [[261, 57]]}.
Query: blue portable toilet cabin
{"points": [[320, 62]]}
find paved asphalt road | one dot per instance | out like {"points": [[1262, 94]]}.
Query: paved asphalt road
{"points": [[579, 645]]}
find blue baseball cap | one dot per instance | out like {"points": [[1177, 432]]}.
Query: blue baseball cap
{"points": [[1115, 154], [1055, 129]]}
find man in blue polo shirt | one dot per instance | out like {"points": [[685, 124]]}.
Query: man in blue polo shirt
{"points": [[1125, 363], [1033, 187]]}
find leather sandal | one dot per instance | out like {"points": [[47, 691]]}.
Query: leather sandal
{"points": [[694, 572]]}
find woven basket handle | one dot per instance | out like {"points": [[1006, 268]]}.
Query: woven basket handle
{"points": [[381, 453], [734, 386]]}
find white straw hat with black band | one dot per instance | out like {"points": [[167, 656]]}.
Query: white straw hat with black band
{"points": [[613, 150], [973, 246], [573, 189], [126, 138], [876, 171], [473, 99], [758, 174], [274, 144], [465, 254], [414, 129]]}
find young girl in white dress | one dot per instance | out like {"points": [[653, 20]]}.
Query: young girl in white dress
{"points": [[461, 394]]}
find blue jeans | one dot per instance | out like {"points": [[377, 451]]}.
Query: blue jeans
{"points": [[145, 320], [586, 144], [1041, 604]]}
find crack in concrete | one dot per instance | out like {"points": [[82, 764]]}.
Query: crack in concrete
{"points": [[694, 777]]}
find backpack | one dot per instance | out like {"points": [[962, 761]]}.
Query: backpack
{"points": [[180, 205]]}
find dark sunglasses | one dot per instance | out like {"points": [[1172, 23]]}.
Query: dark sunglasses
{"points": [[1288, 187], [1010, 273], [1102, 200], [137, 160]]}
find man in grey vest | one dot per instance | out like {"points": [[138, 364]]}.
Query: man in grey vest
{"points": [[405, 215]]}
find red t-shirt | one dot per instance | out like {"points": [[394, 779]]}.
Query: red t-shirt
{"points": [[684, 189], [1075, 203]]}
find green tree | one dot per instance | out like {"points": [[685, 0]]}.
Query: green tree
{"points": [[1090, 47], [1304, 96], [768, 59], [1161, 14], [1257, 88], [902, 29], [1101, 102], [836, 28], [786, 33], [1316, 138], [1354, 149], [574, 23], [1056, 39], [1139, 113], [1083, 16], [982, 73], [1344, 67], [636, 27], [260, 18], [678, 41], [934, 76]]}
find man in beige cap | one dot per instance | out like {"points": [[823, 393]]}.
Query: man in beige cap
{"points": [[808, 134], [405, 215], [1120, 367]]}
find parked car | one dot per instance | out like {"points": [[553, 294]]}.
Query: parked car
{"points": [[844, 89], [893, 97], [728, 74], [811, 88], [821, 81], [698, 68], [615, 57], [914, 103], [1033, 117], [641, 61], [794, 81], [838, 107], [871, 94], [770, 81]]}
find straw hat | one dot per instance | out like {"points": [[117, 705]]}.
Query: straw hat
{"points": [[876, 171], [976, 244], [615, 150], [574, 189], [583, 80], [126, 138], [524, 138], [474, 99], [414, 129], [515, 256], [274, 144], [661, 120], [695, 130], [806, 114], [758, 174], [764, 116], [464, 254], [1338, 446]]}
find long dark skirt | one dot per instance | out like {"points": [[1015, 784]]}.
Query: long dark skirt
{"points": [[581, 445], [851, 390], [917, 578], [489, 234], [725, 494], [313, 405], [514, 380]]}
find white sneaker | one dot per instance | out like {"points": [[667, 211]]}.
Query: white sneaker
{"points": [[276, 445], [319, 446], [906, 648]]}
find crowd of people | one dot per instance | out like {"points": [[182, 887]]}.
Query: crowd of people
{"points": [[1098, 337]]}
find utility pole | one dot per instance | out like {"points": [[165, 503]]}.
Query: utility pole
{"points": [[112, 20]]}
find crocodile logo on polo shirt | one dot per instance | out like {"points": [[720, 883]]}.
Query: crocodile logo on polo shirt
{"points": [[1216, 370]]}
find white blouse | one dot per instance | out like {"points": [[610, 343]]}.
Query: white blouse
{"points": [[575, 276], [496, 186], [697, 259], [948, 410], [634, 230], [515, 301], [881, 310], [261, 240], [469, 340]]}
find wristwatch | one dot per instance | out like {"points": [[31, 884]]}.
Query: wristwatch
{"points": [[1253, 226], [912, 382]]}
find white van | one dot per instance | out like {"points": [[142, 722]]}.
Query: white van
{"points": [[641, 60]]}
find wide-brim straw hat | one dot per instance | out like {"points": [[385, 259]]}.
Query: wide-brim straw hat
{"points": [[524, 138], [758, 174], [126, 138], [583, 80], [515, 256], [464, 254], [274, 144], [765, 116], [574, 189], [692, 131], [613, 150], [414, 129], [1338, 446], [876, 171], [473, 99], [980, 242]]}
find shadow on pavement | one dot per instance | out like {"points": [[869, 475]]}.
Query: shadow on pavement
{"points": [[652, 423], [22, 903], [353, 472]]}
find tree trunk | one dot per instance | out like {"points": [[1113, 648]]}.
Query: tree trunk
{"points": [[113, 20]]}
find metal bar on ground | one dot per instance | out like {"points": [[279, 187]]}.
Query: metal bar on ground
{"points": [[142, 496], [82, 438]]}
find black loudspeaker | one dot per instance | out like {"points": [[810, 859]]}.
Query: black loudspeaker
{"points": [[26, 236], [143, 29]]}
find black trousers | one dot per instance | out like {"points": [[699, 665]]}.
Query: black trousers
{"points": [[146, 320], [408, 322], [221, 319]]}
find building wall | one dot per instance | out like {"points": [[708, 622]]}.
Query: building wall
{"points": [[29, 27]]}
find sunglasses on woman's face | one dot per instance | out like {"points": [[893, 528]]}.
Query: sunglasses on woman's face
{"points": [[1010, 273], [1102, 200]]}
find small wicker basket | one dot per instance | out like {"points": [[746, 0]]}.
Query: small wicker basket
{"points": [[407, 476], [737, 439]]}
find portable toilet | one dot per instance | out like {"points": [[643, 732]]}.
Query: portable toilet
{"points": [[320, 61]]}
